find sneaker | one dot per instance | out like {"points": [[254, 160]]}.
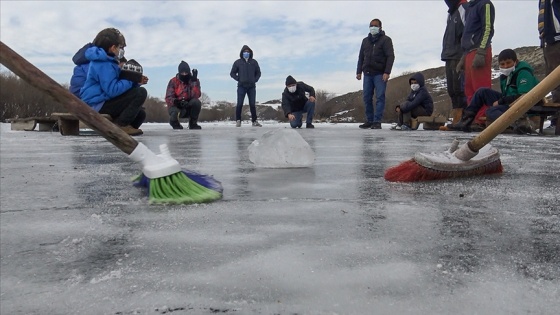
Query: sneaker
{"points": [[366, 125], [376, 125], [256, 124], [131, 131], [238, 123], [309, 125], [406, 128], [176, 124], [396, 127]]}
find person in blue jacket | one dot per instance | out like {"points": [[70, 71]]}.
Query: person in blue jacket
{"points": [[79, 74], [105, 92], [418, 103]]}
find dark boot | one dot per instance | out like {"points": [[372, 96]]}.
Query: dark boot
{"points": [[193, 124], [175, 124], [465, 123]]}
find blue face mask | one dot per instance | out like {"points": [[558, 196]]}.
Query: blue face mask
{"points": [[246, 54], [374, 30]]}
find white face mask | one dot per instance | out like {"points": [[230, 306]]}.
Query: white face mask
{"points": [[374, 30], [121, 53], [507, 71], [292, 89], [415, 86]]}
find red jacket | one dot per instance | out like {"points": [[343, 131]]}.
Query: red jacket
{"points": [[179, 90]]}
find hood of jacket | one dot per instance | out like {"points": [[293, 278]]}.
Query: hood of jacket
{"points": [[245, 47], [453, 5], [80, 56], [523, 65], [95, 53], [419, 77]]}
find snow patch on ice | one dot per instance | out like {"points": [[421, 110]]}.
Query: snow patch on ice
{"points": [[281, 148]]}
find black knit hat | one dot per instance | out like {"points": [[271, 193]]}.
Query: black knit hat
{"points": [[290, 80], [131, 71], [184, 67]]}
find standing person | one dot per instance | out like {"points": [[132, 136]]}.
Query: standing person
{"points": [[549, 32], [477, 49], [375, 60], [295, 103], [246, 72], [103, 90], [418, 103], [451, 54], [182, 97]]}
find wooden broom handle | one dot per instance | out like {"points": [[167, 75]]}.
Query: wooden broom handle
{"points": [[521, 106], [32, 75]]}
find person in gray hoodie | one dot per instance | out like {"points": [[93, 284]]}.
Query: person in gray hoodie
{"points": [[246, 72]]}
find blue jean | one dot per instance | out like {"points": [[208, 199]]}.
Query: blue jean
{"points": [[251, 94], [494, 112], [371, 83], [483, 96], [308, 108]]}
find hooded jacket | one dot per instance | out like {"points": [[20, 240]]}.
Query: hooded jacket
{"points": [[418, 98], [80, 70], [376, 55], [517, 83], [102, 83], [451, 48], [479, 25], [294, 102], [246, 72], [549, 21]]}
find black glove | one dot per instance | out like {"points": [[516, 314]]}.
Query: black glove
{"points": [[183, 104], [177, 102], [194, 74]]}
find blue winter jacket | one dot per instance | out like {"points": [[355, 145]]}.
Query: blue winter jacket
{"points": [[102, 83], [80, 70], [479, 25]]}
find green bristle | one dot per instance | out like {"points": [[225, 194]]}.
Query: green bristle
{"points": [[179, 189]]}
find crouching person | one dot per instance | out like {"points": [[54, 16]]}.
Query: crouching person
{"points": [[418, 103], [182, 97], [516, 79], [295, 103]]}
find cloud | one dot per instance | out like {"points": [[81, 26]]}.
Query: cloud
{"points": [[316, 41]]}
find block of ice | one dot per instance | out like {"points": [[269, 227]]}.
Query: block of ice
{"points": [[281, 148]]}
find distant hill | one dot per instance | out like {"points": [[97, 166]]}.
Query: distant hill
{"points": [[350, 106]]}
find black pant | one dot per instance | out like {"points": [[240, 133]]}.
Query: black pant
{"points": [[404, 118], [126, 109], [191, 109], [455, 84]]}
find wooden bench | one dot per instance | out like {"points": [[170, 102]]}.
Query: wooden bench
{"points": [[30, 123], [543, 111], [429, 122], [68, 124]]}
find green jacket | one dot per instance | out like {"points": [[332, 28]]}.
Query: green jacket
{"points": [[519, 82]]}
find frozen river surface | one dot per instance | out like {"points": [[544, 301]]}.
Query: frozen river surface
{"points": [[334, 238]]}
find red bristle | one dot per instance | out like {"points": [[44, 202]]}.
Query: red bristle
{"points": [[410, 171]]}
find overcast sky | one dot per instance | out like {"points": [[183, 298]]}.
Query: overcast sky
{"points": [[315, 41]]}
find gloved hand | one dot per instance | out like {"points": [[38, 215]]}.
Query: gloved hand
{"points": [[177, 102], [183, 104], [194, 74], [479, 59], [461, 64]]}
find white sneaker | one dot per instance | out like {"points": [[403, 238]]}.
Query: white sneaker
{"points": [[256, 124], [238, 123]]}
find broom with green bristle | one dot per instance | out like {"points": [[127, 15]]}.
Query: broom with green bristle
{"points": [[475, 157], [163, 176]]}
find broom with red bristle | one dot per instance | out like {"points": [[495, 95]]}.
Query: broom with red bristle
{"points": [[475, 157]]}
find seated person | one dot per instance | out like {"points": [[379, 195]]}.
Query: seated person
{"points": [[182, 97], [418, 103], [295, 103], [103, 90], [516, 79]]}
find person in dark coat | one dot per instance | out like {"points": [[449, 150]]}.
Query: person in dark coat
{"points": [[375, 60], [246, 72], [418, 103], [295, 103], [549, 32], [451, 53]]}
